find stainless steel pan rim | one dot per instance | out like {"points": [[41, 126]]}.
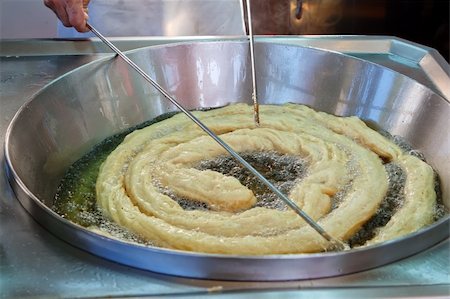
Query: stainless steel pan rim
{"points": [[213, 266], [220, 267]]}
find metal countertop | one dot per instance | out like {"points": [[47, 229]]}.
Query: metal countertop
{"points": [[34, 263]]}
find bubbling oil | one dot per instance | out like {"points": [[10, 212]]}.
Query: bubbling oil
{"points": [[75, 199], [283, 171], [390, 204]]}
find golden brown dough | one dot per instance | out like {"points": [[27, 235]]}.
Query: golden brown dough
{"points": [[341, 152]]}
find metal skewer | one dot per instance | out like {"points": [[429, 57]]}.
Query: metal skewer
{"points": [[252, 58], [336, 243]]}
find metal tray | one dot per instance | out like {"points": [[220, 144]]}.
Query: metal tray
{"points": [[98, 106], [240, 286]]}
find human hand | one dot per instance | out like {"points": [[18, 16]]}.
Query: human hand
{"points": [[72, 13]]}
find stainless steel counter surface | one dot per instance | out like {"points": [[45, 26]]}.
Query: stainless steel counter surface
{"points": [[34, 263]]}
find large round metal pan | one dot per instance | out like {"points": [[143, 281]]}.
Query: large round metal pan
{"points": [[73, 113]]}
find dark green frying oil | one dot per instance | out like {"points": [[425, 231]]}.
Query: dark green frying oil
{"points": [[75, 197]]}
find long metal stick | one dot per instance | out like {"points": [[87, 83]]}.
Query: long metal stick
{"points": [[252, 58], [242, 8], [337, 244]]}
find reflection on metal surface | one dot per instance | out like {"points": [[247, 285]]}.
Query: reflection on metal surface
{"points": [[325, 80], [67, 268], [335, 243], [252, 62]]}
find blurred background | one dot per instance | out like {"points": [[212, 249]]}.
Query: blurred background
{"points": [[422, 21]]}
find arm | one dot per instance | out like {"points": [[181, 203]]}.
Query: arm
{"points": [[72, 13]]}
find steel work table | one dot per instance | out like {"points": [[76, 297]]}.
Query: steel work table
{"points": [[34, 263]]}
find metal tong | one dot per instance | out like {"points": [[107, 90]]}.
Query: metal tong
{"points": [[336, 244], [252, 58]]}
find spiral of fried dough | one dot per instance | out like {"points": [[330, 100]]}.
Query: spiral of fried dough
{"points": [[341, 152]]}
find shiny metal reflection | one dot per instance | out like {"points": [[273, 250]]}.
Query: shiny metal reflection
{"points": [[335, 243], [67, 117], [253, 65]]}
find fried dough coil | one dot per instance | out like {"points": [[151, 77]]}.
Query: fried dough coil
{"points": [[340, 152]]}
